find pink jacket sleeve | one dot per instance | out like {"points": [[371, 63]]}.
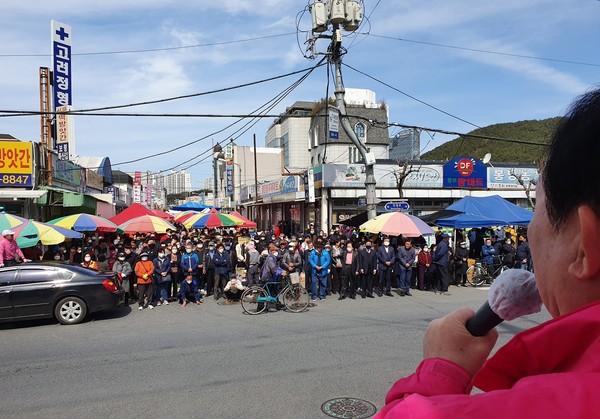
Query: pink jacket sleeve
{"points": [[440, 389]]}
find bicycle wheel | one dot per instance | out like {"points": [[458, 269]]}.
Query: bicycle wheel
{"points": [[296, 298], [476, 275], [254, 300]]}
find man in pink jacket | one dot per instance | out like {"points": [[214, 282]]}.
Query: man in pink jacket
{"points": [[552, 370]]}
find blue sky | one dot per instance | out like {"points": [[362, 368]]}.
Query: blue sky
{"points": [[481, 88]]}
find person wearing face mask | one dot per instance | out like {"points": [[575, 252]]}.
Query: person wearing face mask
{"points": [[508, 251], [222, 262], [189, 261], [209, 268], [189, 292], [252, 264], [319, 260], [89, 262], [123, 268], [144, 269], [424, 269], [523, 254], [175, 258], [291, 261], [461, 264], [350, 271], [162, 277], [367, 269], [386, 256]]}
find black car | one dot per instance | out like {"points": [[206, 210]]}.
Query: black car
{"points": [[44, 290]]}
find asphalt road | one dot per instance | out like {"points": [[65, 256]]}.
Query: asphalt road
{"points": [[213, 361]]}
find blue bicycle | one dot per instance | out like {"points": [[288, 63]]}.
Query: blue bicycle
{"points": [[292, 295]]}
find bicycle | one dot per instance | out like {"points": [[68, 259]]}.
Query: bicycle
{"points": [[481, 273], [294, 296]]}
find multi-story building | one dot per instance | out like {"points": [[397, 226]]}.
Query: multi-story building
{"points": [[327, 145], [405, 145], [289, 132]]}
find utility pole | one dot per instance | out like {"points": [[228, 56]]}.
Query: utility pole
{"points": [[346, 14]]}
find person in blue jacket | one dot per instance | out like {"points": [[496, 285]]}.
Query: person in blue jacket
{"points": [[162, 277], [319, 261], [386, 257], [188, 291], [189, 261], [222, 261]]}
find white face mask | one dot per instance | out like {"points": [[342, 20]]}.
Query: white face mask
{"points": [[145, 258], [386, 243], [121, 259], [161, 255], [188, 250], [87, 258], [349, 249], [174, 251], [56, 257]]}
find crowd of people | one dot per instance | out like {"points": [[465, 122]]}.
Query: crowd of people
{"points": [[187, 266]]}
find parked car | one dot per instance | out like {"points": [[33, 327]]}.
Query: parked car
{"points": [[44, 290]]}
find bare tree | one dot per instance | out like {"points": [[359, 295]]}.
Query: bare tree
{"points": [[527, 187], [403, 171]]}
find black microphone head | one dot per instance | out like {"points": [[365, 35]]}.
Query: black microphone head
{"points": [[514, 294]]}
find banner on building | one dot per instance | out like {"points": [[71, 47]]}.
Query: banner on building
{"points": [[465, 172], [229, 177], [334, 122], [60, 35], [16, 164]]}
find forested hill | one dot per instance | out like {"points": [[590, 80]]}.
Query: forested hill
{"points": [[538, 131]]}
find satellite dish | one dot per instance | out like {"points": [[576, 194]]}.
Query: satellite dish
{"points": [[487, 158]]}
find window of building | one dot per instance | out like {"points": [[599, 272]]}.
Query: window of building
{"points": [[361, 131]]}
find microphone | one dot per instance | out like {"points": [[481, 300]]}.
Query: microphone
{"points": [[513, 294]]}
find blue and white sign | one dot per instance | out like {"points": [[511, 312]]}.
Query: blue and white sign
{"points": [[60, 35], [61, 58], [289, 185], [397, 206], [334, 123], [229, 178]]}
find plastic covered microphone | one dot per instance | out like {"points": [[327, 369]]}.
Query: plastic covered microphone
{"points": [[513, 294]]}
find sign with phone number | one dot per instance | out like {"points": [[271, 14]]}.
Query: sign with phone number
{"points": [[15, 180]]}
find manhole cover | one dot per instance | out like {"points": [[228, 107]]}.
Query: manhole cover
{"points": [[347, 407]]}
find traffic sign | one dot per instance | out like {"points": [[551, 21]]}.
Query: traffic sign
{"points": [[397, 206]]}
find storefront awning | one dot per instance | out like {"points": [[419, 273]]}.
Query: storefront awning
{"points": [[22, 193]]}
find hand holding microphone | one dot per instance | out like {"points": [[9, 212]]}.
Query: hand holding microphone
{"points": [[513, 294]]}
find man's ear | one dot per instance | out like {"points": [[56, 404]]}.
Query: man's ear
{"points": [[587, 262]]}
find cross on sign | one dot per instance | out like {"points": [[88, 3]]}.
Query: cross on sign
{"points": [[62, 34]]}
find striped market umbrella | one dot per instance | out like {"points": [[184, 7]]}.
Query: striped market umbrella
{"points": [[211, 219], [247, 222], [30, 232], [9, 221], [398, 224], [85, 222], [184, 215], [146, 224]]}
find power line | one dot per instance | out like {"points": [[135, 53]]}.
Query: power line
{"points": [[412, 97], [7, 113], [137, 51], [483, 51]]}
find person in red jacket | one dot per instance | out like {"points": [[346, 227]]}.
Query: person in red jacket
{"points": [[424, 268], [552, 370]]}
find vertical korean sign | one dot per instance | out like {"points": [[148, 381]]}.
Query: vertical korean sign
{"points": [[334, 123], [137, 187], [229, 177], [62, 93]]}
